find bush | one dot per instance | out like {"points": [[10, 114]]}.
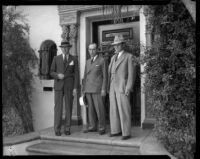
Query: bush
{"points": [[171, 79], [18, 59], [12, 123]]}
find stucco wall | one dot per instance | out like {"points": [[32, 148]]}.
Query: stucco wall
{"points": [[44, 24]]}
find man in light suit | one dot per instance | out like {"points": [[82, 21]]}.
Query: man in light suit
{"points": [[94, 88], [122, 76], [64, 70]]}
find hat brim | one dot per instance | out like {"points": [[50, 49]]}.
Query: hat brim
{"points": [[65, 46], [115, 43]]}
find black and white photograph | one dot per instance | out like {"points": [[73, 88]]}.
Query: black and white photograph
{"points": [[99, 80]]}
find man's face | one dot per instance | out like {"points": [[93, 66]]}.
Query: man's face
{"points": [[118, 47], [92, 50], [65, 50]]}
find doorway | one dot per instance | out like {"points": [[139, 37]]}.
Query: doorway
{"points": [[101, 34]]}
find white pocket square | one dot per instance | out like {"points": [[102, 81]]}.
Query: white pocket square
{"points": [[71, 63]]}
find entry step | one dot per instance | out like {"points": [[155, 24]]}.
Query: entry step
{"points": [[75, 148]]}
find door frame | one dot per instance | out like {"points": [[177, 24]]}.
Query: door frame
{"points": [[85, 32]]}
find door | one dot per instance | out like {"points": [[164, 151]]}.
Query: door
{"points": [[103, 35]]}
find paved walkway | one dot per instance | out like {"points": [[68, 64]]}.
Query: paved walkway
{"points": [[141, 138], [142, 142]]}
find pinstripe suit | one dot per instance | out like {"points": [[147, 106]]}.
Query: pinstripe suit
{"points": [[64, 88], [95, 80]]}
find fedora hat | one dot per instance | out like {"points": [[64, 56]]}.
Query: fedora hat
{"points": [[118, 39], [65, 44]]}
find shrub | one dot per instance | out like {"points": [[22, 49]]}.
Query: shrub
{"points": [[18, 59], [12, 123], [171, 79]]}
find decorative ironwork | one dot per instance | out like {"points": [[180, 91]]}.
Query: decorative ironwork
{"points": [[48, 50]]}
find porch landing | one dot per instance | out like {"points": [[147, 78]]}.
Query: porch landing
{"points": [[91, 143]]}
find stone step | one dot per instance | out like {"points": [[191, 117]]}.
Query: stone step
{"points": [[104, 140], [53, 147]]}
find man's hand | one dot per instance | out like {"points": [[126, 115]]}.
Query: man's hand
{"points": [[127, 92], [103, 93], [74, 92], [60, 76]]}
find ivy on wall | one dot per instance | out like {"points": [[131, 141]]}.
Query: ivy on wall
{"points": [[171, 78]]}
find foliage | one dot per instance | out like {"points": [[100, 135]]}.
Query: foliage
{"points": [[18, 59], [171, 78], [12, 123]]}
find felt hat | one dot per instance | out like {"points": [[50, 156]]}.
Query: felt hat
{"points": [[65, 44], [118, 39]]}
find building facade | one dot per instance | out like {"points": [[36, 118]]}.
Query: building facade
{"points": [[81, 25], [84, 24]]}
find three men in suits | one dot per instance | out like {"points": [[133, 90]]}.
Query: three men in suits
{"points": [[121, 74], [94, 88], [64, 70]]}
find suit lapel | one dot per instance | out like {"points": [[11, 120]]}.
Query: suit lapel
{"points": [[91, 66], [68, 62], [61, 61], [112, 62], [119, 61]]}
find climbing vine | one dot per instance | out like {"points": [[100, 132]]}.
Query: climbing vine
{"points": [[171, 78]]}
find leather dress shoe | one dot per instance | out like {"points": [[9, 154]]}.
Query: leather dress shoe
{"points": [[126, 137], [85, 131], [58, 133], [101, 132], [118, 134], [67, 133], [92, 130]]}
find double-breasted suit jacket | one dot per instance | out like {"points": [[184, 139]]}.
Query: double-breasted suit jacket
{"points": [[95, 80], [121, 78], [64, 87], [95, 76]]}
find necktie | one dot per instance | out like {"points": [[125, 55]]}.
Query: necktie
{"points": [[116, 57], [65, 59], [92, 60]]}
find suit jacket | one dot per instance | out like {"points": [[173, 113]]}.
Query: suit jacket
{"points": [[122, 72], [95, 76], [70, 71]]}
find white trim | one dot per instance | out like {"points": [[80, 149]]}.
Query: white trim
{"points": [[143, 44]]}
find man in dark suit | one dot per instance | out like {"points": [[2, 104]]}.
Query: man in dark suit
{"points": [[94, 88], [64, 70], [122, 76]]}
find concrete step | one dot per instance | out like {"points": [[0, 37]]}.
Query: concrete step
{"points": [[91, 143], [99, 140], [53, 147]]}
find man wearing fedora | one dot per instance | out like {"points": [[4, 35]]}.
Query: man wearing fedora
{"points": [[94, 88], [121, 74], [64, 70]]}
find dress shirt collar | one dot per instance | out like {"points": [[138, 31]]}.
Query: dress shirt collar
{"points": [[66, 55], [94, 57], [120, 53]]}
